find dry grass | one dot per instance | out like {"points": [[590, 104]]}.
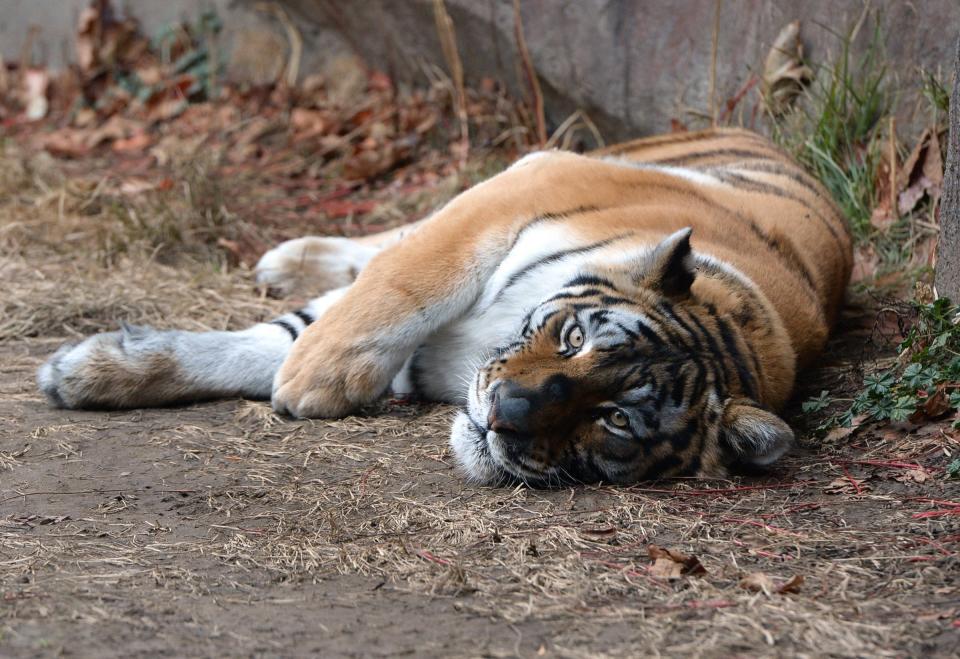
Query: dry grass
{"points": [[223, 529]]}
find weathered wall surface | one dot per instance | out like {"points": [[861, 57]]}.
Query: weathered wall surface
{"points": [[632, 64]]}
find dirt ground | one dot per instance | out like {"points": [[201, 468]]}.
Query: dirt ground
{"points": [[221, 529]]}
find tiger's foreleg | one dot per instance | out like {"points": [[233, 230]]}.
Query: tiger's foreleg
{"points": [[146, 367], [409, 291]]}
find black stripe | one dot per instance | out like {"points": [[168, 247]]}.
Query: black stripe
{"points": [[589, 280], [574, 296], [759, 234], [686, 159], [304, 316], [666, 141], [553, 258], [666, 309], [746, 183], [714, 348], [553, 215], [747, 381], [649, 334], [802, 179], [291, 330]]}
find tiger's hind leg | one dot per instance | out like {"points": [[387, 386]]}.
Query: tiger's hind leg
{"points": [[146, 367], [319, 264], [312, 264]]}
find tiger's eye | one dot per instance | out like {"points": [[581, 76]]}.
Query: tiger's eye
{"points": [[575, 337], [618, 418]]}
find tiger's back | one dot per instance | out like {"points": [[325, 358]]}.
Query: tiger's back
{"points": [[758, 210]]}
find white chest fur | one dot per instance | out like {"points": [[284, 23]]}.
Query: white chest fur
{"points": [[544, 257]]}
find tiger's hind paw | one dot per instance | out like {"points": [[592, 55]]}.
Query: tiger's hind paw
{"points": [[312, 265], [110, 370]]}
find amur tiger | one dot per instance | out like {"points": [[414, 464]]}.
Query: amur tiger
{"points": [[636, 313]]}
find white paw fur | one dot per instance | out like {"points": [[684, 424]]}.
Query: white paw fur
{"points": [[316, 264]]}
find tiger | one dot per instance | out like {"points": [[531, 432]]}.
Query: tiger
{"points": [[634, 313]]}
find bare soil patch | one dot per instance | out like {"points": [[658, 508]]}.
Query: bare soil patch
{"points": [[222, 529]]}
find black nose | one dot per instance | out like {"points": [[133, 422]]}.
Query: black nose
{"points": [[510, 409]]}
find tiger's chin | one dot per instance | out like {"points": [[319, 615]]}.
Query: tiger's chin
{"points": [[469, 444]]}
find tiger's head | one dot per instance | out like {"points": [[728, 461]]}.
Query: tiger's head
{"points": [[622, 376]]}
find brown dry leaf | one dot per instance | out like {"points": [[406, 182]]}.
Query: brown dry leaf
{"points": [[792, 585], [758, 582], [846, 485], [66, 143], [843, 432], [784, 73], [883, 216], [913, 476], [115, 128], [86, 41], [922, 173], [672, 564], [136, 142], [370, 163], [937, 404]]}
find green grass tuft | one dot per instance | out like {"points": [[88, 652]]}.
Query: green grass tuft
{"points": [[836, 130]]}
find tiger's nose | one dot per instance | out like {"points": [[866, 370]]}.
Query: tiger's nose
{"points": [[510, 409]]}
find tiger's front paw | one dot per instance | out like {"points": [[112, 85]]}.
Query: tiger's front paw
{"points": [[325, 377]]}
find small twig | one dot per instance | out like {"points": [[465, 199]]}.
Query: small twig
{"points": [[427, 556], [937, 513], [762, 525], [448, 42], [893, 464], [853, 481], [733, 101], [892, 155], [531, 74], [714, 46], [292, 68], [74, 492], [727, 490]]}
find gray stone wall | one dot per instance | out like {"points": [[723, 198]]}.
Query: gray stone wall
{"points": [[633, 65]]}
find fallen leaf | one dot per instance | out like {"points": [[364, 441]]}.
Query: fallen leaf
{"points": [[66, 143], [913, 476], [846, 485], [136, 142], [792, 585], [86, 39], [784, 73], [760, 582], [937, 404], [672, 564], [922, 173]]}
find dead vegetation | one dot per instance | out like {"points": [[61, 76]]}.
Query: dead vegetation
{"points": [[223, 529]]}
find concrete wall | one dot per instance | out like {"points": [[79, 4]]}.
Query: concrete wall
{"points": [[632, 64]]}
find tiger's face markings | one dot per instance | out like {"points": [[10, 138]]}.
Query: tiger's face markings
{"points": [[616, 380]]}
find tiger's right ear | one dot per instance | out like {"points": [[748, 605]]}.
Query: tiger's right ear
{"points": [[671, 268]]}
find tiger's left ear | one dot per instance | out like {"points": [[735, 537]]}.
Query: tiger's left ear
{"points": [[754, 436], [670, 269]]}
